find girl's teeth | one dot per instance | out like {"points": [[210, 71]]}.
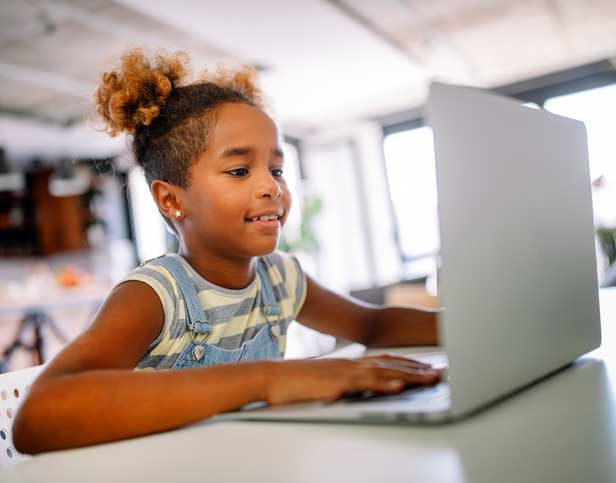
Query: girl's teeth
{"points": [[265, 218]]}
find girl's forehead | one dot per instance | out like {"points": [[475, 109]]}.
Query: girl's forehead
{"points": [[242, 123]]}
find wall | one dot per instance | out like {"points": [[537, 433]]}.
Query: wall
{"points": [[357, 232], [25, 139]]}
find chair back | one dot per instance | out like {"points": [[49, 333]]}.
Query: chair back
{"points": [[13, 388]]}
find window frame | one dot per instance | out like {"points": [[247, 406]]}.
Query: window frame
{"points": [[537, 90]]}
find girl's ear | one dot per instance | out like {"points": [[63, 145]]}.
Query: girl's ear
{"points": [[167, 198]]}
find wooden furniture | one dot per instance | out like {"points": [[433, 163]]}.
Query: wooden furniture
{"points": [[33, 222]]}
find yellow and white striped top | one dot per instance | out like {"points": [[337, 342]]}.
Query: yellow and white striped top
{"points": [[235, 315]]}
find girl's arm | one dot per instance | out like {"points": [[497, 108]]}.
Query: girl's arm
{"points": [[90, 394], [371, 325]]}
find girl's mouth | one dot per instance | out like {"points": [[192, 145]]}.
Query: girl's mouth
{"points": [[271, 221], [264, 218]]}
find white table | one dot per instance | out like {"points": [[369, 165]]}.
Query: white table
{"points": [[561, 430]]}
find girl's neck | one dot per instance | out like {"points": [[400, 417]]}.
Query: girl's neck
{"points": [[233, 274]]}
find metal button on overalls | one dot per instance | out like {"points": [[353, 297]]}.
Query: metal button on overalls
{"points": [[275, 331], [198, 352]]}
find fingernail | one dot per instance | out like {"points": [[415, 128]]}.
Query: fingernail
{"points": [[396, 383]]}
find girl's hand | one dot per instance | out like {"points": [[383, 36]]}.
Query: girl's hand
{"points": [[329, 379]]}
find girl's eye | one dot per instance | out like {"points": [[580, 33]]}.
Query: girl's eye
{"points": [[238, 172], [242, 171]]}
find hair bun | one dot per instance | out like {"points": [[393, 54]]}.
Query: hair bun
{"points": [[134, 94], [243, 80]]}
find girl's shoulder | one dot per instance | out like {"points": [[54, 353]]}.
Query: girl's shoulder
{"points": [[154, 266], [156, 274]]}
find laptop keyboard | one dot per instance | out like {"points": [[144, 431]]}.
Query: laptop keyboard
{"points": [[421, 395]]}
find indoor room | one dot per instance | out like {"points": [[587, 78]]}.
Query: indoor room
{"points": [[430, 179]]}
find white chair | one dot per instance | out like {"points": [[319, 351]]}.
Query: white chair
{"points": [[13, 388]]}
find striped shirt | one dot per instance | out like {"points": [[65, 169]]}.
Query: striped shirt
{"points": [[235, 315]]}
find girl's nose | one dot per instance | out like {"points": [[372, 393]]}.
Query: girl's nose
{"points": [[269, 187]]}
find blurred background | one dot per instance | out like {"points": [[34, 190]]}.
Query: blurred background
{"points": [[346, 81]]}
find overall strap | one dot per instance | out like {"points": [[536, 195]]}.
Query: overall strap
{"points": [[268, 298], [195, 316]]}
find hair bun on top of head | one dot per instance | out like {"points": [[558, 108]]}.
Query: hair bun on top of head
{"points": [[134, 94]]}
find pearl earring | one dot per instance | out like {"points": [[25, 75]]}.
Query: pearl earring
{"points": [[178, 213]]}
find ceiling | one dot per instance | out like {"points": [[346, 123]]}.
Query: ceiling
{"points": [[322, 61]]}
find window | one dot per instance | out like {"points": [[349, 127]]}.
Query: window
{"points": [[411, 174], [293, 179], [148, 225], [410, 163], [596, 108]]}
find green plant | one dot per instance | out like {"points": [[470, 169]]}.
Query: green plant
{"points": [[607, 240], [305, 240]]}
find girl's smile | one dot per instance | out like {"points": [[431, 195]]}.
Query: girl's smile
{"points": [[268, 219], [269, 226]]}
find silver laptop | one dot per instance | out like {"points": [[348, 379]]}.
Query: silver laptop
{"points": [[518, 280]]}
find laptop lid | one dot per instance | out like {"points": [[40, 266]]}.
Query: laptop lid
{"points": [[518, 281]]}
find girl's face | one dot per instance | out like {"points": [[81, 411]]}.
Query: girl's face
{"points": [[237, 179]]}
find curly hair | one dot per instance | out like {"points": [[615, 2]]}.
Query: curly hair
{"points": [[170, 119]]}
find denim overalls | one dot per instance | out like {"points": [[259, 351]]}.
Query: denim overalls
{"points": [[264, 345]]}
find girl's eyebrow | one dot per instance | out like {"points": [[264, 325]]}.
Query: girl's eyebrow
{"points": [[244, 150], [236, 151]]}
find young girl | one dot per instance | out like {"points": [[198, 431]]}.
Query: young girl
{"points": [[220, 308]]}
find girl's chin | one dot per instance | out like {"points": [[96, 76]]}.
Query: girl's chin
{"points": [[260, 249], [266, 228]]}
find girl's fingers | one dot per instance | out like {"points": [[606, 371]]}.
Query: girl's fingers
{"points": [[368, 377], [390, 378], [398, 364], [388, 385], [403, 365], [396, 358], [391, 381], [415, 376], [375, 384]]}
